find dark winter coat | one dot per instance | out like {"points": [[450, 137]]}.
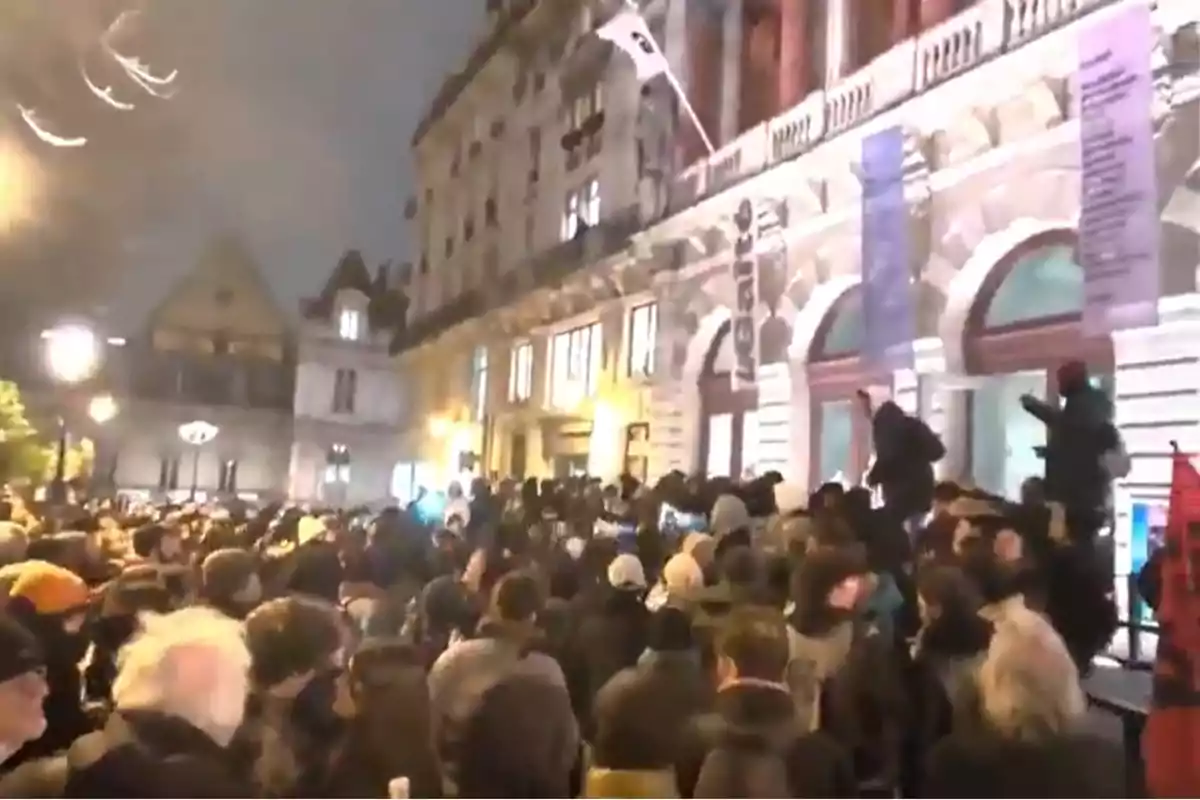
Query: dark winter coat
{"points": [[752, 746], [640, 713], [136, 754], [981, 764]]}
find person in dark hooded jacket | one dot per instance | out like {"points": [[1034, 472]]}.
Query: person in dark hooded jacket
{"points": [[753, 744], [947, 653], [905, 451], [641, 714], [1078, 434], [611, 638], [229, 582]]}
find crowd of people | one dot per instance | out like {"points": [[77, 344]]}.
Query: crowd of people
{"points": [[695, 638]]}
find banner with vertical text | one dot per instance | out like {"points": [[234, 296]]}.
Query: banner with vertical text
{"points": [[1118, 220]]}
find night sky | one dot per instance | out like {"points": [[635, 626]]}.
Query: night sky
{"points": [[295, 129]]}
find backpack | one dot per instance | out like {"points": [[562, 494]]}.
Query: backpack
{"points": [[1116, 462], [927, 444]]}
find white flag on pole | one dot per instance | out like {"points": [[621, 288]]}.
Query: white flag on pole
{"points": [[629, 32]]}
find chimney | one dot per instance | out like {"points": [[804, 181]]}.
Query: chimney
{"points": [[383, 277]]}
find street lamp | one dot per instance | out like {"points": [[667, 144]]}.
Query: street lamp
{"points": [[197, 433], [72, 353], [102, 408], [72, 356], [439, 427]]}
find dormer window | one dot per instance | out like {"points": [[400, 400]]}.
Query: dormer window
{"points": [[349, 324]]}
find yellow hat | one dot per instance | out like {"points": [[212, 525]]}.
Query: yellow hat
{"points": [[49, 588]]}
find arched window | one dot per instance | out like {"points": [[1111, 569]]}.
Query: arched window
{"points": [[1026, 321], [1043, 284], [840, 431], [728, 418]]}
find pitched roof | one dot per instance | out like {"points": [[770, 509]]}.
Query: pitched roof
{"points": [[386, 306]]}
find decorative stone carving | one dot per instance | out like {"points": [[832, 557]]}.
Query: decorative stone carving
{"points": [[930, 302], [843, 187], [799, 290], [967, 137], [715, 240], [1036, 110]]}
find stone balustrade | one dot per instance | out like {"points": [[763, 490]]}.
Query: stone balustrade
{"points": [[946, 50]]}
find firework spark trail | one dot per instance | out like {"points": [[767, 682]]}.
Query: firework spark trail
{"points": [[49, 137], [161, 87], [105, 94]]}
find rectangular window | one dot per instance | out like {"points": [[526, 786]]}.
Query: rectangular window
{"points": [[570, 223], [643, 336], [337, 464], [590, 212], [345, 387], [535, 148], [575, 361], [479, 382], [720, 445], [349, 324], [580, 111], [520, 373], [751, 439], [227, 480], [582, 207], [168, 472]]}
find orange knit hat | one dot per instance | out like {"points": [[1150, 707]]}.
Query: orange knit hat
{"points": [[49, 588]]}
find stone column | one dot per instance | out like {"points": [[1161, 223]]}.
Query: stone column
{"points": [[902, 26], [934, 11], [793, 67], [837, 40], [675, 41], [700, 29], [732, 45]]}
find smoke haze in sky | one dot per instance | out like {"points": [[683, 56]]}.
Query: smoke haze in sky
{"points": [[295, 127]]}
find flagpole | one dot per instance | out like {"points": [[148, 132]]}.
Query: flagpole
{"points": [[677, 88], [686, 104]]}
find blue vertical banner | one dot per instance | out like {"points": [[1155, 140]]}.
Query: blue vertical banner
{"points": [[1118, 219], [887, 292]]}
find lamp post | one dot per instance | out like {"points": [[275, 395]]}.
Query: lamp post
{"points": [[197, 433], [73, 355], [103, 408]]}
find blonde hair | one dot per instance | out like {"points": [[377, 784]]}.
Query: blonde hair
{"points": [[1028, 684], [150, 674]]}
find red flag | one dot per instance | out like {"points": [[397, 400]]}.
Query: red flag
{"points": [[1178, 602], [1171, 743]]}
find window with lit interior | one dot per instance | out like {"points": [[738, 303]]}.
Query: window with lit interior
{"points": [[643, 335], [575, 361], [479, 382], [337, 464], [520, 373], [349, 321]]}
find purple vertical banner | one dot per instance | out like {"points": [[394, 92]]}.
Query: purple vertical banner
{"points": [[888, 315], [1118, 219]]}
